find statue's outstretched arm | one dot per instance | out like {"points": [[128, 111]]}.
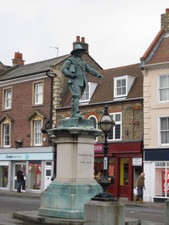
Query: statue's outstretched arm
{"points": [[93, 72]]}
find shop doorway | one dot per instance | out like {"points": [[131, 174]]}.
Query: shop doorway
{"points": [[137, 171], [48, 173], [15, 169], [124, 174]]}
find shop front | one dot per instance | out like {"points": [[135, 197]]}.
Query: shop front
{"points": [[124, 166], [156, 168], [37, 167]]}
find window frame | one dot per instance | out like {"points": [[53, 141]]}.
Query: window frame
{"points": [[114, 127], [85, 93], [160, 131], [37, 102], [35, 142], [161, 89], [36, 117], [116, 79], [91, 89], [3, 137], [5, 99]]}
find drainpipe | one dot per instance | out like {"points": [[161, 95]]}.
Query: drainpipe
{"points": [[50, 126]]}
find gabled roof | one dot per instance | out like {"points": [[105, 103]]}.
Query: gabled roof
{"points": [[158, 52], [105, 89], [3, 67], [38, 67], [30, 69]]}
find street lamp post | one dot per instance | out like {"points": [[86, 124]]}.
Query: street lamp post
{"points": [[106, 124]]}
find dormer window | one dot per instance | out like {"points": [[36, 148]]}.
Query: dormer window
{"points": [[122, 86], [88, 92]]}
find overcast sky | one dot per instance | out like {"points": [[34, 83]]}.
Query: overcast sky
{"points": [[118, 31]]}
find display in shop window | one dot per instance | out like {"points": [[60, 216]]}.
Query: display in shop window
{"points": [[3, 176], [35, 175], [165, 183]]}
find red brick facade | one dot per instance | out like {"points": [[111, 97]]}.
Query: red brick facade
{"points": [[23, 108]]}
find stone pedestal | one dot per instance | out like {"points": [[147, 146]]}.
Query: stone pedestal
{"points": [[107, 213], [167, 212], [75, 185]]}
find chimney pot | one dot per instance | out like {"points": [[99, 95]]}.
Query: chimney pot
{"points": [[83, 39], [82, 43], [18, 59], [77, 38], [167, 10]]}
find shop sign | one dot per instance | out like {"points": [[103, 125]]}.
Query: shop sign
{"points": [[136, 161], [98, 148], [27, 156]]}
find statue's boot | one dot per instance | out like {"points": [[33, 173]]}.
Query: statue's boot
{"points": [[77, 115]]}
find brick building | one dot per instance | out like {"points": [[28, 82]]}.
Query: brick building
{"points": [[36, 93], [29, 95], [121, 90], [25, 106]]}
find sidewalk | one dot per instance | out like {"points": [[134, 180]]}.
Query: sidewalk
{"points": [[125, 201]]}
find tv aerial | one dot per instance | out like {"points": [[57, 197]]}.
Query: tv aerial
{"points": [[55, 48]]}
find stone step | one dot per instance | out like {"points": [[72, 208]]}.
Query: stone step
{"points": [[33, 217]]}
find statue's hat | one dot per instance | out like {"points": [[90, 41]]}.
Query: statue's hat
{"points": [[77, 48]]}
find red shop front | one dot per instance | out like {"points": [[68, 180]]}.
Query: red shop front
{"points": [[124, 166]]}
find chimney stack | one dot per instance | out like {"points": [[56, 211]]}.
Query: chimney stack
{"points": [[165, 21], [17, 59], [82, 43]]}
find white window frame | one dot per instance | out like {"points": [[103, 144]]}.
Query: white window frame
{"points": [[7, 99], [113, 115], [38, 94], [88, 92], [37, 135], [163, 88], [116, 79], [167, 130], [6, 135]]}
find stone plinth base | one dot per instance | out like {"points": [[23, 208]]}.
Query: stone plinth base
{"points": [[66, 200], [107, 213], [75, 185]]}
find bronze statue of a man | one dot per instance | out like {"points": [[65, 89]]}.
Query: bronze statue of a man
{"points": [[75, 68]]}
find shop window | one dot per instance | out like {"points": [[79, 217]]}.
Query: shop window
{"points": [[164, 130], [112, 170], [38, 93], [3, 176], [115, 133], [7, 98], [161, 179], [16, 168], [35, 169], [99, 167], [124, 169], [164, 88]]}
